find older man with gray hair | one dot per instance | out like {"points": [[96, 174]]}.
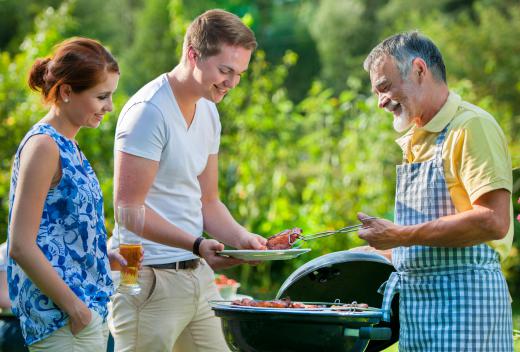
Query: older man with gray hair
{"points": [[453, 210]]}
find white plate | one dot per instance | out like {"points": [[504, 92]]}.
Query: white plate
{"points": [[270, 254]]}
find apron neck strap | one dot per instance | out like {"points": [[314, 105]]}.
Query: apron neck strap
{"points": [[439, 143]]}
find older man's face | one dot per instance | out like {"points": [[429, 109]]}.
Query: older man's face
{"points": [[395, 94]]}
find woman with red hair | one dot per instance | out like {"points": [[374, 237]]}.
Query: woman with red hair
{"points": [[58, 271]]}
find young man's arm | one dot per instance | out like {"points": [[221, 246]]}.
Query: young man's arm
{"points": [[218, 222], [133, 177]]}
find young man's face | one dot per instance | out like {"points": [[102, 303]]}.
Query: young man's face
{"points": [[395, 94], [220, 73]]}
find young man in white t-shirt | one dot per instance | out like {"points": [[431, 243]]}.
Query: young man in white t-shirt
{"points": [[166, 156]]}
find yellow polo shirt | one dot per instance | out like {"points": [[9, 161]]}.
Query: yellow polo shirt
{"points": [[475, 156]]}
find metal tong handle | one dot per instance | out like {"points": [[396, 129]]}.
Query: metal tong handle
{"points": [[345, 229]]}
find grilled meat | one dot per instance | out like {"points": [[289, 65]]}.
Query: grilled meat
{"points": [[284, 239], [280, 303]]}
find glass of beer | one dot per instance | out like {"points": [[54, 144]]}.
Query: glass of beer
{"points": [[130, 224]]}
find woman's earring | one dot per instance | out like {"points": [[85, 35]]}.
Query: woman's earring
{"points": [[66, 100]]}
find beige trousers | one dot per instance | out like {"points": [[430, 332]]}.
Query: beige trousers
{"points": [[170, 314], [93, 338]]}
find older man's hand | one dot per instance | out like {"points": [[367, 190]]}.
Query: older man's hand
{"points": [[380, 233]]}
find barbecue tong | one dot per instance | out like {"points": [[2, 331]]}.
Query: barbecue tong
{"points": [[345, 229]]}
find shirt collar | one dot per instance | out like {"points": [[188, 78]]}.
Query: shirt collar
{"points": [[444, 116], [403, 140], [437, 123]]}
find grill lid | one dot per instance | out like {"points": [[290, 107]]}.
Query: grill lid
{"points": [[346, 276]]}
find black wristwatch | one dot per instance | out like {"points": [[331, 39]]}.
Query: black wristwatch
{"points": [[196, 245]]}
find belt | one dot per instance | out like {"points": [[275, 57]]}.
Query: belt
{"points": [[184, 264]]}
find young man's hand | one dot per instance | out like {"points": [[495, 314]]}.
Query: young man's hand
{"points": [[208, 251], [252, 241], [117, 261]]}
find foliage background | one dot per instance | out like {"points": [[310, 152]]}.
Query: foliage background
{"points": [[303, 141]]}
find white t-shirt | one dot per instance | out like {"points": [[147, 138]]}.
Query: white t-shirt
{"points": [[151, 126]]}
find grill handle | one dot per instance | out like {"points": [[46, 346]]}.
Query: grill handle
{"points": [[369, 333]]}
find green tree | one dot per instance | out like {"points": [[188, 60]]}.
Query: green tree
{"points": [[107, 21], [343, 32], [295, 151], [154, 47], [19, 108], [17, 19], [313, 164]]}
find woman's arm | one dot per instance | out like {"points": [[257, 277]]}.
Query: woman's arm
{"points": [[4, 292], [39, 164]]}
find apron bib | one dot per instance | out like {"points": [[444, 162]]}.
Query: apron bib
{"points": [[450, 299]]}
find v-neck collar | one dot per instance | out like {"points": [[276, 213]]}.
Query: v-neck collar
{"points": [[176, 106]]}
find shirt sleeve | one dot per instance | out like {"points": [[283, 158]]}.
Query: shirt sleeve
{"points": [[214, 148], [141, 131], [485, 163]]}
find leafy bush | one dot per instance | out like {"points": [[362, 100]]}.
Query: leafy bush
{"points": [[312, 163]]}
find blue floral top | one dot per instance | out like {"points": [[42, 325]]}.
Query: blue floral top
{"points": [[72, 236]]}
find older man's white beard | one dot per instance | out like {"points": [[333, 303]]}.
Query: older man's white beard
{"points": [[402, 122]]}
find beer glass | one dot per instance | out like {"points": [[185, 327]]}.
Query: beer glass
{"points": [[130, 224]]}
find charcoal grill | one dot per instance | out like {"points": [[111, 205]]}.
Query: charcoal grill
{"points": [[345, 276]]}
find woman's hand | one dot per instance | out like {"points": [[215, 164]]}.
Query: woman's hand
{"points": [[80, 317]]}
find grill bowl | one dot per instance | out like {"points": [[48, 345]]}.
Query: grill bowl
{"points": [[251, 329], [346, 276]]}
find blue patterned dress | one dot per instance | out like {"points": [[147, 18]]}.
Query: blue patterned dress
{"points": [[72, 236], [451, 299]]}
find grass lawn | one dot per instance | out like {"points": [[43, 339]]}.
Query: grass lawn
{"points": [[392, 348], [516, 326]]}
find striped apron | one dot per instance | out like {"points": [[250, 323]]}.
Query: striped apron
{"points": [[450, 299]]}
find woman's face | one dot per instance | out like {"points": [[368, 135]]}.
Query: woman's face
{"points": [[87, 108]]}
